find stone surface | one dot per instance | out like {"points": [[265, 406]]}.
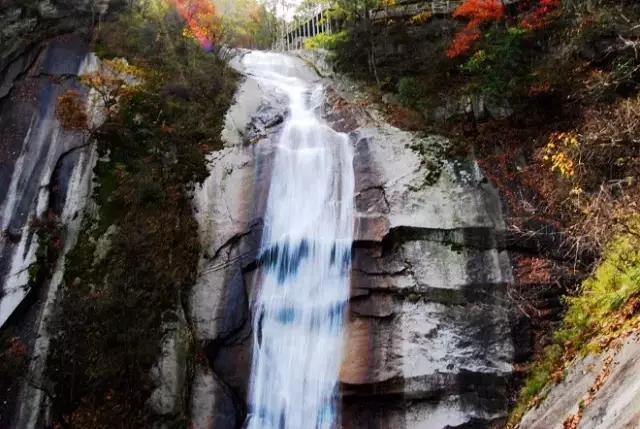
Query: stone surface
{"points": [[429, 334], [229, 207], [212, 405], [616, 404], [43, 167], [428, 341], [169, 374], [33, 148], [24, 24]]}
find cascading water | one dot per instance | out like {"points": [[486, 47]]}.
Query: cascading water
{"points": [[305, 261]]}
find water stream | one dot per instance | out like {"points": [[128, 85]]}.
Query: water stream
{"points": [[303, 287]]}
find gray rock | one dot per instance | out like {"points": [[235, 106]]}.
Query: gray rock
{"points": [[616, 405], [225, 217], [33, 145], [24, 24], [319, 59], [429, 333], [52, 169], [169, 374], [428, 340], [212, 405]]}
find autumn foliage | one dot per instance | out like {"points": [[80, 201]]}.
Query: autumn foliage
{"points": [[533, 15], [71, 110], [202, 21], [478, 12], [539, 16]]}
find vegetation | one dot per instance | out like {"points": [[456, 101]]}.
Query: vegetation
{"points": [[608, 304], [247, 23], [410, 91], [563, 148], [50, 234], [355, 47], [479, 13], [14, 361], [565, 153], [124, 279], [326, 41]]}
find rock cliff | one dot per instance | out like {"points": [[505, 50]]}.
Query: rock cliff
{"points": [[429, 340], [45, 173]]}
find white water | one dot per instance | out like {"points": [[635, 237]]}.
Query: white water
{"points": [[305, 261]]}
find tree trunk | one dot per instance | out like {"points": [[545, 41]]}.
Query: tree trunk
{"points": [[371, 55]]}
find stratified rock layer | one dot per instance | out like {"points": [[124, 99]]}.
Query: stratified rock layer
{"points": [[429, 342], [429, 339]]}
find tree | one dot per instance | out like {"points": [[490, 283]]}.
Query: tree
{"points": [[355, 16], [111, 81], [114, 79], [481, 13], [478, 12], [203, 23], [247, 23], [308, 7], [539, 16]]}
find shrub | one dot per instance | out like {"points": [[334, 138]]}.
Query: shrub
{"points": [[606, 306], [326, 41], [71, 110], [558, 153], [14, 358], [498, 68], [479, 12], [410, 91], [540, 15]]}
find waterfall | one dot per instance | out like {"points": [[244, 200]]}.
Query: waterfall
{"points": [[305, 260]]}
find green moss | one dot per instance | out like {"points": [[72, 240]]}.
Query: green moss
{"points": [[590, 315]]}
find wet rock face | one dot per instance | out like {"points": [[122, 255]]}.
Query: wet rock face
{"points": [[44, 169], [229, 207], [38, 157], [429, 336], [429, 342], [40, 59]]}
